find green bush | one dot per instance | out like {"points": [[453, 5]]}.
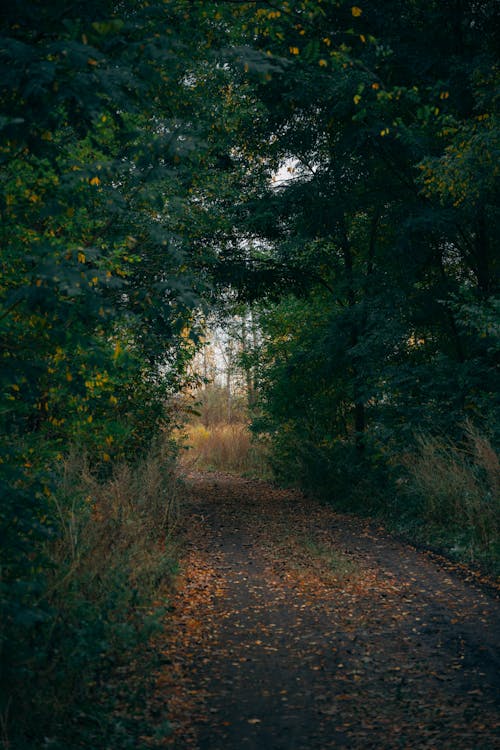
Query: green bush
{"points": [[331, 469]]}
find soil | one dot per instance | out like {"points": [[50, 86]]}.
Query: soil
{"points": [[297, 628]]}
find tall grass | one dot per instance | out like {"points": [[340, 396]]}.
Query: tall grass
{"points": [[457, 489], [226, 447], [110, 565]]}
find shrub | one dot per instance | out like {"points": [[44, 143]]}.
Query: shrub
{"points": [[331, 469], [455, 488], [112, 555]]}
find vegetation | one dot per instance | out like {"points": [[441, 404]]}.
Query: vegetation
{"points": [[335, 167], [383, 234], [95, 114], [453, 492], [226, 447], [107, 579]]}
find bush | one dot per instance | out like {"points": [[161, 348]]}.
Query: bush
{"points": [[441, 493], [331, 469], [214, 406], [454, 490], [112, 555]]}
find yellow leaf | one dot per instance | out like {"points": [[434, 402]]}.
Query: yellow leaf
{"points": [[323, 63], [95, 181], [375, 86], [363, 38], [356, 99], [356, 12], [81, 257], [294, 50]]}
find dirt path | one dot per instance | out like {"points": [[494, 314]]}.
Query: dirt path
{"points": [[296, 628]]}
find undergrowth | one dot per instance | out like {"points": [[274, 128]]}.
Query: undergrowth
{"points": [[442, 493], [98, 607], [226, 447], [450, 497]]}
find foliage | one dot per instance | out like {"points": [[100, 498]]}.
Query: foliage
{"points": [[210, 405], [452, 493], [386, 120], [142, 153], [100, 150], [106, 578]]}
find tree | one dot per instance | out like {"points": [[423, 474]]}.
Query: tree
{"points": [[375, 110], [104, 139]]}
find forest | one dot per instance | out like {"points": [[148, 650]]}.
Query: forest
{"points": [[316, 179]]}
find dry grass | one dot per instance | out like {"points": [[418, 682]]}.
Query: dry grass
{"points": [[459, 486], [118, 528], [109, 572], [228, 447]]}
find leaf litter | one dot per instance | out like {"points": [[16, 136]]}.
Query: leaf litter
{"points": [[297, 628]]}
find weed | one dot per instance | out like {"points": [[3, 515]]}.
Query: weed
{"points": [[307, 554], [335, 561]]}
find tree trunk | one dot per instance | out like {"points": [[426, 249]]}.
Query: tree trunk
{"points": [[359, 426], [229, 397]]}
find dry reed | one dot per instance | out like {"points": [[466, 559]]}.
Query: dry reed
{"points": [[227, 447], [122, 523], [459, 485]]}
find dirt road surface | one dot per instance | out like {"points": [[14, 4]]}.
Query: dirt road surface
{"points": [[296, 628]]}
